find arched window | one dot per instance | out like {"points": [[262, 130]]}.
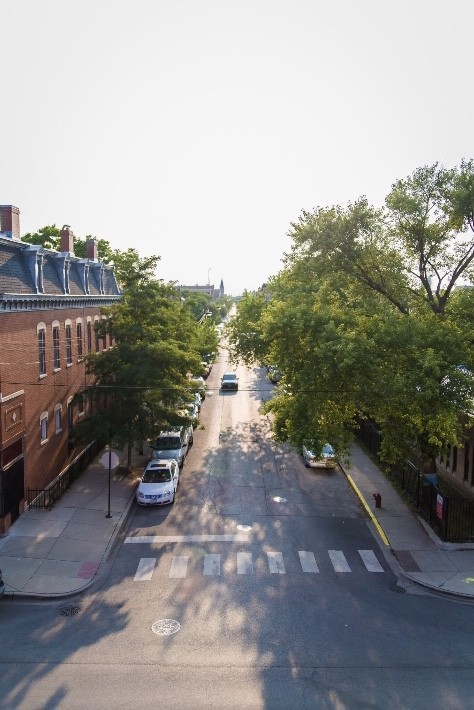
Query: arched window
{"points": [[41, 334], [56, 351]]}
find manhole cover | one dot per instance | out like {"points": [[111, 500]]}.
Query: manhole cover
{"points": [[278, 499], [70, 610], [244, 528], [165, 627]]}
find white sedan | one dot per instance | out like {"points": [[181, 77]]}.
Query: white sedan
{"points": [[159, 483]]}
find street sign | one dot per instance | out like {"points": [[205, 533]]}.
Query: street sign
{"points": [[110, 458]]}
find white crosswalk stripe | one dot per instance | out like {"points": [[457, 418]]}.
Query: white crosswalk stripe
{"points": [[338, 560], [245, 564], [308, 561], [179, 567], [145, 569], [212, 565], [275, 563], [370, 561]]}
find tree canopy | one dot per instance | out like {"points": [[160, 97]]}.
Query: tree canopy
{"points": [[139, 385], [371, 316]]}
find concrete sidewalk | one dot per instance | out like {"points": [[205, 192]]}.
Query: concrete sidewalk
{"points": [[59, 552], [447, 568]]}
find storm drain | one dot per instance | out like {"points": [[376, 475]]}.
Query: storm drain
{"points": [[165, 627]]}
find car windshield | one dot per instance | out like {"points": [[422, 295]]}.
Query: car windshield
{"points": [[157, 476], [168, 443], [229, 377]]}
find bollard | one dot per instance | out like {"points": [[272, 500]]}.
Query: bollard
{"points": [[378, 500]]}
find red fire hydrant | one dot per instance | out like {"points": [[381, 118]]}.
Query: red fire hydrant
{"points": [[378, 500]]}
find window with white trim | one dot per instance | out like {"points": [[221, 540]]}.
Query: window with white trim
{"points": [[89, 335], [68, 332], [96, 332], [44, 427], [79, 338], [58, 425], [41, 331], [56, 351]]}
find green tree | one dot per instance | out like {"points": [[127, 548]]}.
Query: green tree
{"points": [[366, 320], [141, 382], [49, 238]]}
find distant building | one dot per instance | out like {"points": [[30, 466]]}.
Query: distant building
{"points": [[208, 289], [49, 302]]}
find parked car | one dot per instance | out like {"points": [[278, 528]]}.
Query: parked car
{"points": [[192, 412], [206, 368], [274, 374], [198, 381], [229, 381], [325, 459], [171, 445], [159, 483]]}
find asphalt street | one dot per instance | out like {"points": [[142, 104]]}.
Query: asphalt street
{"points": [[263, 586]]}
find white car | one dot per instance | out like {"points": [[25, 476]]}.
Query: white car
{"points": [[192, 412], [201, 386], [325, 459], [159, 483]]}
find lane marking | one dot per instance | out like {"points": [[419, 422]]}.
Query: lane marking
{"points": [[212, 565], [275, 563], [244, 563], [308, 562], [370, 561], [179, 567], [149, 539], [145, 569], [338, 560]]}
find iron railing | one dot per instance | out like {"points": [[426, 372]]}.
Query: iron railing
{"points": [[47, 497], [449, 514]]}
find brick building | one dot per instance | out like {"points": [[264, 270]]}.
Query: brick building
{"points": [[49, 302]]}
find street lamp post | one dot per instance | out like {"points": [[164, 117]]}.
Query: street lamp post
{"points": [[109, 460]]}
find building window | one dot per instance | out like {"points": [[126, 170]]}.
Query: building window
{"points": [[42, 351], [68, 344], [58, 418], [96, 333], [56, 354], [79, 338], [44, 427], [70, 416], [89, 336]]}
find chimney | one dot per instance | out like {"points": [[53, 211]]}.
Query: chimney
{"points": [[67, 239], [10, 222], [91, 249]]}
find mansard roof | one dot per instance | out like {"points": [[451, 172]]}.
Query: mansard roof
{"points": [[31, 270]]}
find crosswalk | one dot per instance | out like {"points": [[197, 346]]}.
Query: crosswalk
{"points": [[245, 564]]}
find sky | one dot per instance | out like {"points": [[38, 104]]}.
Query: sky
{"points": [[198, 130]]}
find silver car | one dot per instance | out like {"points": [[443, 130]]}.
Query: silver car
{"points": [[325, 459]]}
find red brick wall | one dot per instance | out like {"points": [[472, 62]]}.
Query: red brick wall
{"points": [[19, 370]]}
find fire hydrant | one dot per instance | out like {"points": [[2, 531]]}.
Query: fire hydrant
{"points": [[378, 500]]}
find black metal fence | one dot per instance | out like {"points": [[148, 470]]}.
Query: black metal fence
{"points": [[449, 514], [47, 497]]}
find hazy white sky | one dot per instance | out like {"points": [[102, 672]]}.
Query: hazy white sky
{"points": [[199, 129]]}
